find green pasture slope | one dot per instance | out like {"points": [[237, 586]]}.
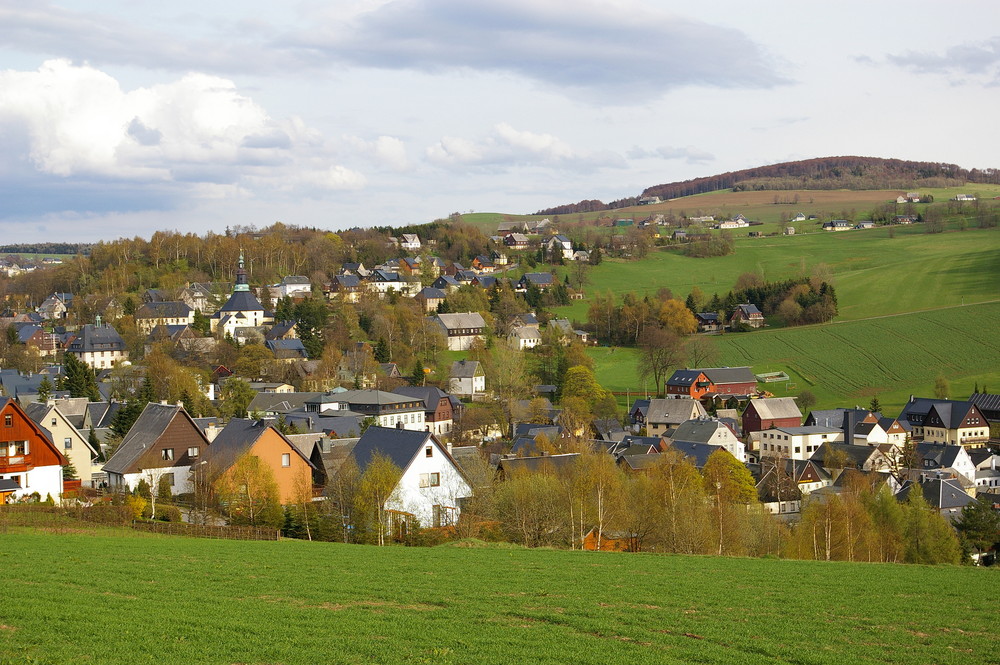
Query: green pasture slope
{"points": [[848, 363], [126, 600], [873, 273]]}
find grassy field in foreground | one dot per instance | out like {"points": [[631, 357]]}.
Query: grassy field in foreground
{"points": [[88, 599], [847, 363]]}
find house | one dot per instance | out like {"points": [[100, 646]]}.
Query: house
{"points": [[446, 283], [467, 378], [382, 282], [439, 407], [288, 350], [165, 313], [747, 314], [946, 421], [709, 322], [542, 280], [707, 431], [387, 409], [515, 241], [637, 413], [409, 242], [905, 219], [696, 383], [242, 309], [797, 442], [789, 231], [525, 337], [292, 286], [799, 217], [662, 414], [988, 404], [943, 494], [33, 335], [430, 298], [292, 469], [346, 287], [963, 197], [559, 245], [936, 457], [29, 460], [201, 297], [837, 225], [99, 346], [432, 485], [66, 438], [766, 413], [834, 455], [461, 329], [865, 224], [56, 306], [164, 441], [483, 264], [611, 540]]}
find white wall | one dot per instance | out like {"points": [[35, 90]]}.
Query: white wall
{"points": [[412, 498], [42, 479]]}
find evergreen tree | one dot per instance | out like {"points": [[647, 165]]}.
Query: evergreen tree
{"points": [[979, 526], [44, 390], [381, 351], [875, 405], [95, 442], [80, 379], [201, 323], [417, 378], [595, 257]]}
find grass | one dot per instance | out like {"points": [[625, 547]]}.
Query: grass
{"points": [[84, 599], [873, 273], [848, 363]]}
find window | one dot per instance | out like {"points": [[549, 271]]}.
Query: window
{"points": [[53, 422], [193, 451], [167, 454], [8, 420], [429, 451], [435, 479], [68, 443], [169, 477], [286, 459]]}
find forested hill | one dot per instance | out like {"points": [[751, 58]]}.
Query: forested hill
{"points": [[819, 173]]}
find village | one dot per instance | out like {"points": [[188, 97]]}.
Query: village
{"points": [[289, 435]]}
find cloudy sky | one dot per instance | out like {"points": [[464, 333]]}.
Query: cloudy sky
{"points": [[121, 117]]}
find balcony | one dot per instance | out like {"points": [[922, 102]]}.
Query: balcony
{"points": [[15, 463]]}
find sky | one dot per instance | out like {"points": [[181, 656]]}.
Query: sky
{"points": [[123, 117]]}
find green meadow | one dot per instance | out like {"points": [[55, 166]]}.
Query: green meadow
{"points": [[874, 274], [848, 363], [79, 598]]}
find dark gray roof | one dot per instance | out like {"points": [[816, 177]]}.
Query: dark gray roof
{"points": [[941, 493], [286, 348], [280, 402], [237, 438], [937, 455], [952, 413], [696, 451], [279, 330], [347, 281], [148, 427], [512, 465], [242, 301], [430, 293], [430, 395], [723, 375], [464, 369], [538, 278], [986, 402], [93, 338], [399, 445], [834, 417], [683, 377], [163, 310]]}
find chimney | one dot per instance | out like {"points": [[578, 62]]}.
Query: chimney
{"points": [[449, 447]]}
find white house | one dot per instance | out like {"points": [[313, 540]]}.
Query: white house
{"points": [[409, 242], [462, 329], [467, 378], [706, 431], [432, 484], [66, 438], [797, 442], [560, 243], [99, 346]]}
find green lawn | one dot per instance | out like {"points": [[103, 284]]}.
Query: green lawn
{"points": [[88, 599]]}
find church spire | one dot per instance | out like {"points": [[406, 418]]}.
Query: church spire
{"points": [[241, 277]]}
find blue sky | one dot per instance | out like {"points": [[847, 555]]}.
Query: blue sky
{"points": [[122, 118]]}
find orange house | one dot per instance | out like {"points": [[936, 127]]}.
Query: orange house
{"points": [[292, 470], [610, 541]]}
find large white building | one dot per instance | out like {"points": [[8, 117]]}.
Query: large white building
{"points": [[99, 346]]}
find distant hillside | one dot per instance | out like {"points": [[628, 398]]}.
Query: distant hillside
{"points": [[821, 173]]}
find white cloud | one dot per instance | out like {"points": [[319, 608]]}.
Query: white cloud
{"points": [[689, 154], [79, 122], [981, 60], [386, 152], [506, 147]]}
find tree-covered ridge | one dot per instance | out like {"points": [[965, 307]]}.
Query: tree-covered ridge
{"points": [[822, 173]]}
